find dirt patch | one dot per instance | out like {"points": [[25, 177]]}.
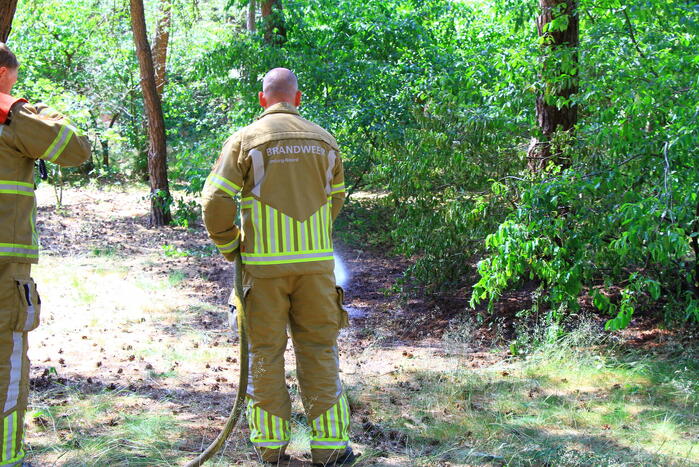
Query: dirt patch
{"points": [[137, 313], [136, 318]]}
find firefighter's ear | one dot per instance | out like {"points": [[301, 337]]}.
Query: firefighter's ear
{"points": [[8, 78], [297, 99], [263, 99]]}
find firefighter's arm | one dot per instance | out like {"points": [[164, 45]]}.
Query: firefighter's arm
{"points": [[337, 188], [218, 200], [43, 133]]}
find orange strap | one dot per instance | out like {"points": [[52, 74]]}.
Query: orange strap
{"points": [[6, 103]]}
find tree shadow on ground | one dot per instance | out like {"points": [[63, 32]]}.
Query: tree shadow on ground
{"points": [[195, 417], [466, 424]]}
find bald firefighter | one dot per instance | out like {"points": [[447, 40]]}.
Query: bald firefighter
{"points": [[288, 174], [27, 134]]}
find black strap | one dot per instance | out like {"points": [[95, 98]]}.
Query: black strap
{"points": [[27, 294], [43, 173]]}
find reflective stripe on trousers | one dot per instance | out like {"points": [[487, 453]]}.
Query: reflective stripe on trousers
{"points": [[12, 431], [331, 430], [12, 427], [14, 365], [267, 430], [15, 376]]}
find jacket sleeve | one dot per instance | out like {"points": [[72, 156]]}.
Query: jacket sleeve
{"points": [[219, 207], [42, 133], [337, 188]]}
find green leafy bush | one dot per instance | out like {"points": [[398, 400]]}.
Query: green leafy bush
{"points": [[621, 223], [578, 234]]}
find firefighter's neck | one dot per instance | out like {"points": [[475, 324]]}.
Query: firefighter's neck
{"points": [[267, 101]]}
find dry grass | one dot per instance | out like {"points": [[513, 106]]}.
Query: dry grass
{"points": [[133, 365]]}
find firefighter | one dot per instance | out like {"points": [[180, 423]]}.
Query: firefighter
{"points": [[27, 133], [288, 174]]}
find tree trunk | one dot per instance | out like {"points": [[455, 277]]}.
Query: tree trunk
{"points": [[196, 13], [105, 142], [157, 148], [162, 37], [273, 20], [252, 7], [105, 152], [558, 27], [7, 14]]}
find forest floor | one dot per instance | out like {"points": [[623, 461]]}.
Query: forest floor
{"points": [[134, 364]]}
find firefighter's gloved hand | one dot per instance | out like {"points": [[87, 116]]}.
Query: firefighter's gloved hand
{"points": [[48, 112], [230, 256], [40, 107]]}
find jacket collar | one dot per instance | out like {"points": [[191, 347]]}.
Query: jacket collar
{"points": [[281, 107]]}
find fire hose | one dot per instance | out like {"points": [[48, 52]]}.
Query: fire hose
{"points": [[237, 409]]}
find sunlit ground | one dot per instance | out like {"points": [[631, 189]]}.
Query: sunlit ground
{"points": [[134, 365]]}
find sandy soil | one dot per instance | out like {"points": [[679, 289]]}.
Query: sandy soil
{"points": [[141, 313], [130, 339]]}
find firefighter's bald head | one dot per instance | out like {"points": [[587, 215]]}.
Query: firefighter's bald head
{"points": [[280, 85]]}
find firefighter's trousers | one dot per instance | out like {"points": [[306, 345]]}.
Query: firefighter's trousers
{"points": [[19, 313], [311, 306]]}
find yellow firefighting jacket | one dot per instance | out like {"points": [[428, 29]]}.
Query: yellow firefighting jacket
{"points": [[289, 175], [28, 133]]}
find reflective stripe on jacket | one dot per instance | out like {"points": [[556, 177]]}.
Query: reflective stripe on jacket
{"points": [[28, 134], [289, 176]]}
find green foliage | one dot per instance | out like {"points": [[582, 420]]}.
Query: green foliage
{"points": [[174, 252], [358, 221], [411, 90], [203, 251], [433, 105], [575, 234], [623, 217], [415, 93], [187, 213], [106, 251]]}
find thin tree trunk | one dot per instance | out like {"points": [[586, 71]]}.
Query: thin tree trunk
{"points": [[105, 142], [7, 14], [558, 27], [160, 44], [105, 152], [196, 13], [252, 7], [273, 20], [157, 149]]}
